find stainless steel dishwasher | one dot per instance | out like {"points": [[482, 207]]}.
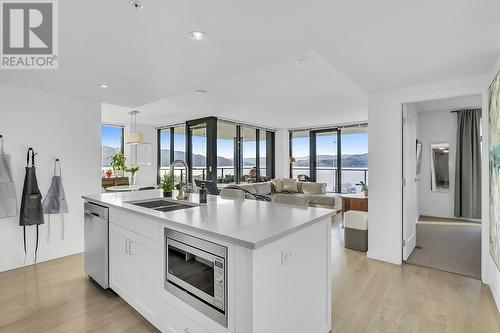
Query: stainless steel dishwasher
{"points": [[96, 243]]}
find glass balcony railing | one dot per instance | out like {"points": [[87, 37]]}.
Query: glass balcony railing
{"points": [[328, 175], [225, 175]]}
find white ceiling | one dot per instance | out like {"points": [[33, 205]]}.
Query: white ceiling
{"points": [[146, 56], [450, 104], [279, 95]]}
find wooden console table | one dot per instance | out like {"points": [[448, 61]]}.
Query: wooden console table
{"points": [[354, 202], [114, 181]]}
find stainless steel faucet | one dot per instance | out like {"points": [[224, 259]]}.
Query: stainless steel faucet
{"points": [[188, 188]]}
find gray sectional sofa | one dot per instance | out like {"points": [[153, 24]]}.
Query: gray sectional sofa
{"points": [[314, 192]]}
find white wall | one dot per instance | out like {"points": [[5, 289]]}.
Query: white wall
{"points": [[56, 127], [436, 127], [385, 158], [147, 175], [282, 167]]}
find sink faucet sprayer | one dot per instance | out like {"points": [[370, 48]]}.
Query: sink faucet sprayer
{"points": [[188, 188]]}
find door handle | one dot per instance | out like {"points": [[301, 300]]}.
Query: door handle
{"points": [[130, 247], [127, 246]]}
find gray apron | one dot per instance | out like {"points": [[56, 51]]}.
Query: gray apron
{"points": [[31, 201], [55, 200], [8, 197]]}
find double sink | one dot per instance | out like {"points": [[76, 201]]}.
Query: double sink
{"points": [[161, 205]]}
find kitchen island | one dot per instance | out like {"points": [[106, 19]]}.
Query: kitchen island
{"points": [[236, 266]]}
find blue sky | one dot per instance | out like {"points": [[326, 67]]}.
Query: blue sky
{"points": [[111, 136], [326, 145], [356, 143]]}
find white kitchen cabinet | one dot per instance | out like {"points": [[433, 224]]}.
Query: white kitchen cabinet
{"points": [[179, 323], [146, 272], [120, 262], [134, 270]]}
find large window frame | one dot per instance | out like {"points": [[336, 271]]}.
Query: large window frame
{"points": [[211, 149], [122, 140], [340, 130]]}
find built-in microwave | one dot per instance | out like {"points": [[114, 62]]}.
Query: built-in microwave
{"points": [[196, 272]]}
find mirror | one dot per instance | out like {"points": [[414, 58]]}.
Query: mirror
{"points": [[419, 158], [440, 167]]}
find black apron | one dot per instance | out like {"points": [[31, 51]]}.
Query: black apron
{"points": [[31, 202]]}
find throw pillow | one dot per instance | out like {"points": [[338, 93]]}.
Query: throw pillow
{"points": [[289, 185], [313, 188], [278, 185]]}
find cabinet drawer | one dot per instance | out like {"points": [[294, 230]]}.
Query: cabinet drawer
{"points": [[176, 322]]}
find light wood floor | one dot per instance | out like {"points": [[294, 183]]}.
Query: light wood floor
{"points": [[368, 296], [371, 296]]}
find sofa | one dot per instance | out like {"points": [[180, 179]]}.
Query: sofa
{"points": [[314, 192]]}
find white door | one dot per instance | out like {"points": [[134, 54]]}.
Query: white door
{"points": [[147, 278], [120, 262], [410, 181]]}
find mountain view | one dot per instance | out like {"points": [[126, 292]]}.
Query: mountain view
{"points": [[348, 161], [201, 161], [106, 153]]}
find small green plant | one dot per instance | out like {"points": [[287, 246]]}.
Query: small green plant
{"points": [[118, 161], [132, 169], [364, 186], [167, 183]]}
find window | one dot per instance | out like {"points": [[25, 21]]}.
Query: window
{"points": [[326, 144], [226, 145], [172, 146], [198, 134], [299, 158], [111, 143], [314, 154], [262, 153], [165, 141], [248, 154], [217, 150], [354, 158]]}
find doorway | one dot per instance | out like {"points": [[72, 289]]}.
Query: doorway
{"points": [[441, 225]]}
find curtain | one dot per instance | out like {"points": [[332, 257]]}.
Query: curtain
{"points": [[468, 165]]}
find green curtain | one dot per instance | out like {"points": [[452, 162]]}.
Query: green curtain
{"points": [[468, 165]]}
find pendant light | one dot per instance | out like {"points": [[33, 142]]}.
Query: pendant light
{"points": [[134, 138]]}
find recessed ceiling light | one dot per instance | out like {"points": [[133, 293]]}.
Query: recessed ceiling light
{"points": [[302, 61], [103, 86], [200, 91], [197, 35], [136, 4]]}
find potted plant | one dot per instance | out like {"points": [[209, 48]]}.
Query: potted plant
{"points": [[364, 187], [132, 169], [167, 184], [118, 163], [108, 173]]}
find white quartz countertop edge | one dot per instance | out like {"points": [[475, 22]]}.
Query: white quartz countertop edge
{"points": [[241, 241]]}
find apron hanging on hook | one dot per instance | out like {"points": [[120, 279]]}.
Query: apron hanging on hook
{"points": [[8, 197], [55, 200], [31, 204]]}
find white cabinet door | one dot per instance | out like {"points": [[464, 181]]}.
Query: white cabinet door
{"points": [[147, 282], [120, 262], [176, 322]]}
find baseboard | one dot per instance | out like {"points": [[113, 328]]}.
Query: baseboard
{"points": [[452, 218]]}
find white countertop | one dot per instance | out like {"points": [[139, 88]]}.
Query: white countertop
{"points": [[247, 223]]}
